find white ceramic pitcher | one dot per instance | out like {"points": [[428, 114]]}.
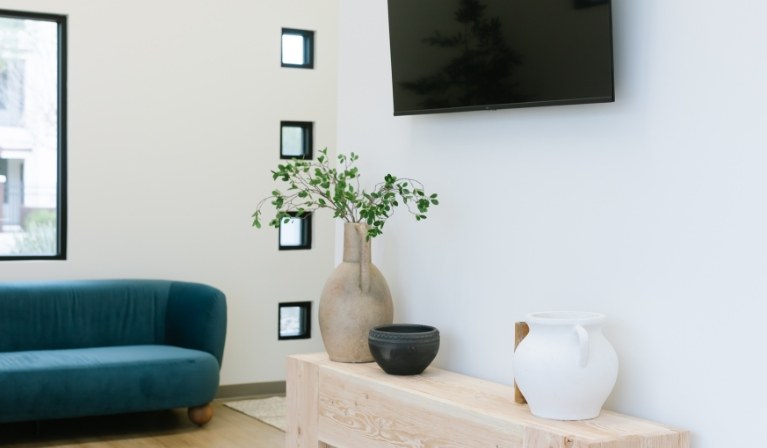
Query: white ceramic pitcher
{"points": [[565, 367]]}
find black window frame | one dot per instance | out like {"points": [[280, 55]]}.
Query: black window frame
{"points": [[306, 320], [307, 143], [61, 133]]}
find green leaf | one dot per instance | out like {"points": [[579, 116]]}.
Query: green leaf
{"points": [[315, 184]]}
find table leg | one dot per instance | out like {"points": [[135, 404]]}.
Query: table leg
{"points": [[303, 405]]}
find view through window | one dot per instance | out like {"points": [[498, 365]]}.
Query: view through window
{"points": [[32, 142], [297, 48]]}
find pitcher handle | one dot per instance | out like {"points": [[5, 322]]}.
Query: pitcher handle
{"points": [[583, 346]]}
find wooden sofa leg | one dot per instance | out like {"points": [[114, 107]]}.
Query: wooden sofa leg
{"points": [[200, 415]]}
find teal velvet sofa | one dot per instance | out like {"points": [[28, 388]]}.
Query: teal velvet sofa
{"points": [[92, 347]]}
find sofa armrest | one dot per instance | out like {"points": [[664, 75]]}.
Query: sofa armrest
{"points": [[196, 318]]}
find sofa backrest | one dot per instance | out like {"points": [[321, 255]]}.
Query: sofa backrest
{"points": [[77, 314]]}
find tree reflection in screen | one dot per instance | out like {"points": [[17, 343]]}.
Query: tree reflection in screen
{"points": [[482, 70]]}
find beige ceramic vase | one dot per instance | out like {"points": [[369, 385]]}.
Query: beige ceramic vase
{"points": [[355, 299]]}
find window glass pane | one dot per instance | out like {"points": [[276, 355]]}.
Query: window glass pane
{"points": [[30, 150], [292, 141], [293, 49], [291, 233], [291, 321]]}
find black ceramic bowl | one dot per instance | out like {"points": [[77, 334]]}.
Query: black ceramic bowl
{"points": [[404, 349]]}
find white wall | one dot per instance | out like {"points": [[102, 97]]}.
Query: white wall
{"points": [[650, 209], [174, 110]]}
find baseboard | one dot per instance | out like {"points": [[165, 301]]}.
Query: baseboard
{"points": [[229, 391]]}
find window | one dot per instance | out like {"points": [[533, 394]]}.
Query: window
{"points": [[295, 320], [296, 140], [32, 136], [297, 48], [296, 232]]}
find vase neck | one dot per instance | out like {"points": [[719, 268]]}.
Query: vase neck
{"points": [[357, 250], [356, 244]]}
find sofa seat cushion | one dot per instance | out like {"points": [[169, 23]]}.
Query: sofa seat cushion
{"points": [[46, 384]]}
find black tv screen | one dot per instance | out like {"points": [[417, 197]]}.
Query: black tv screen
{"points": [[460, 55]]}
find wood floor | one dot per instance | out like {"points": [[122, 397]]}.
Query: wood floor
{"points": [[164, 429]]}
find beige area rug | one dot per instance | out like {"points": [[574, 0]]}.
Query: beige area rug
{"points": [[271, 411]]}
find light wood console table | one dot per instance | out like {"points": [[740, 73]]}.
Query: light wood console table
{"points": [[359, 406]]}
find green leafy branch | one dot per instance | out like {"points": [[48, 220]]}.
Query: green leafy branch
{"points": [[312, 185]]}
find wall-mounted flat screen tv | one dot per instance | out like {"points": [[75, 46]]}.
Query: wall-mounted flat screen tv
{"points": [[461, 55]]}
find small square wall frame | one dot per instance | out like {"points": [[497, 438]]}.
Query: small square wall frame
{"points": [[296, 139], [297, 48], [295, 320], [296, 233]]}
